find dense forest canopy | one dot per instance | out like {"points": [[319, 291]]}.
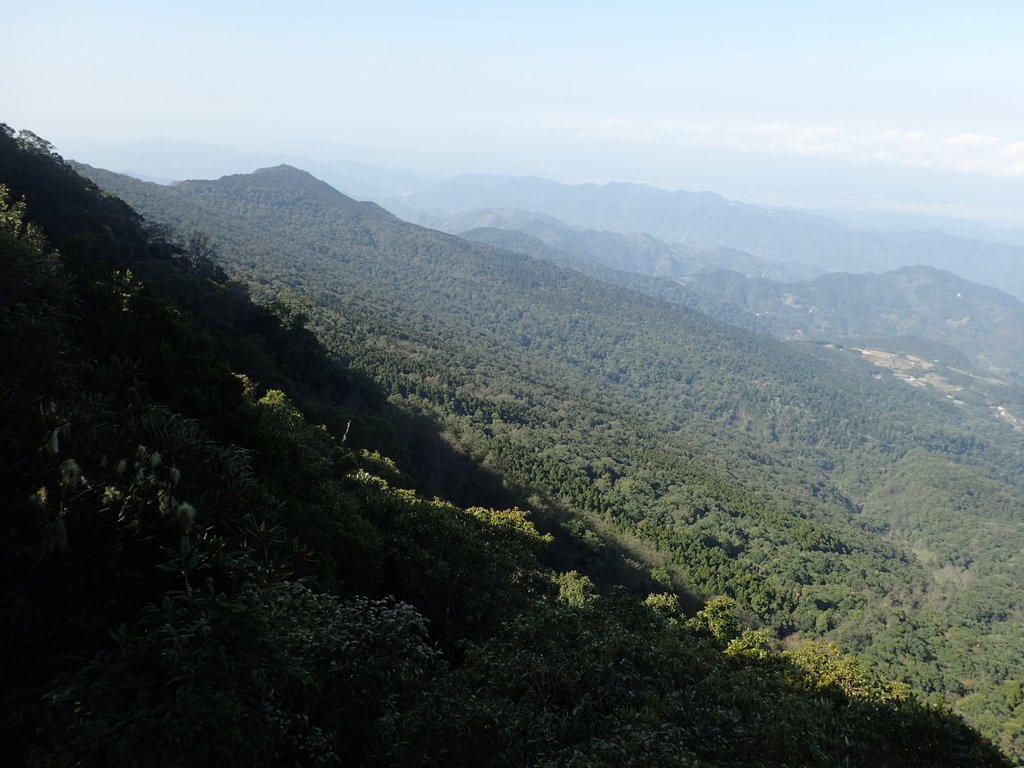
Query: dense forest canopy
{"points": [[210, 558], [980, 325]]}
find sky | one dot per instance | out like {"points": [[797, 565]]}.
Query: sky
{"points": [[895, 103]]}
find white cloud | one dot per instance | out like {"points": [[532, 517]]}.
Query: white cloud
{"points": [[964, 152], [972, 140]]}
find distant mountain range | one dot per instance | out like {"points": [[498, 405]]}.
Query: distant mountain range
{"points": [[706, 220], [636, 252], [983, 324]]}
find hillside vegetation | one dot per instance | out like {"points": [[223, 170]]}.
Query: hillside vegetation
{"points": [[655, 443], [927, 327], [196, 574], [983, 323]]}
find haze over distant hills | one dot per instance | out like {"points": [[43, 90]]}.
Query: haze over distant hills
{"points": [[165, 161], [636, 252], [871, 196], [875, 198], [707, 220]]}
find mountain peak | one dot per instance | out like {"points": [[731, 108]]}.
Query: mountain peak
{"points": [[285, 171], [283, 176], [289, 179]]}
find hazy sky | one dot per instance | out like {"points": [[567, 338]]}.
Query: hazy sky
{"points": [[622, 90]]}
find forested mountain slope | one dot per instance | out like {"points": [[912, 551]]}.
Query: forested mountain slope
{"points": [[707, 220], [731, 463], [199, 576], [983, 323], [195, 574], [927, 326], [920, 302], [670, 290]]}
